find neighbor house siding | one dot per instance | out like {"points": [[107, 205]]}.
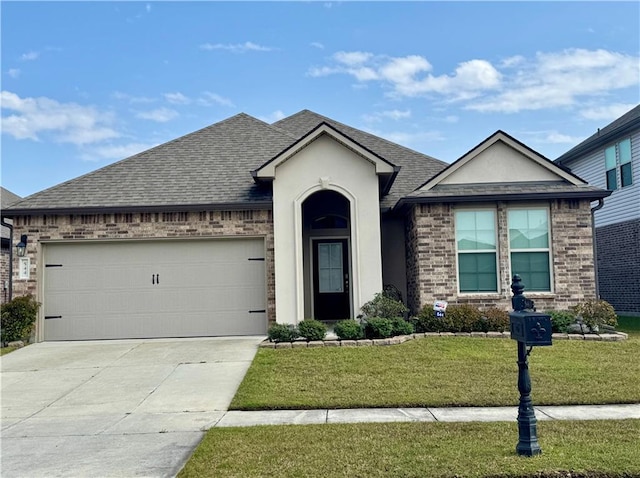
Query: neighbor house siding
{"points": [[624, 203], [431, 257], [173, 225], [618, 263]]}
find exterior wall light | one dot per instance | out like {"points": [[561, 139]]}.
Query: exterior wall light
{"points": [[21, 247]]}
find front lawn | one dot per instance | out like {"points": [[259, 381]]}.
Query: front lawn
{"points": [[594, 449], [6, 350], [437, 371]]}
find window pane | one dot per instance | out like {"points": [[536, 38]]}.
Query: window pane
{"points": [[528, 229], [533, 267], [336, 255], [610, 158], [612, 183], [477, 272], [625, 175], [336, 280], [475, 230], [624, 150]]}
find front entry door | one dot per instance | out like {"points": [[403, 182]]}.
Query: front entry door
{"points": [[330, 279]]}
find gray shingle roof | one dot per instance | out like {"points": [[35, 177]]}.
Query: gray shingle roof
{"points": [[6, 199], [210, 166], [506, 191], [621, 126]]}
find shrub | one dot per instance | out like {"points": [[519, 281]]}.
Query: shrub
{"points": [[464, 318], [283, 333], [378, 328], [595, 313], [401, 326], [561, 320], [495, 320], [426, 321], [19, 318], [348, 330], [384, 306], [312, 329]]}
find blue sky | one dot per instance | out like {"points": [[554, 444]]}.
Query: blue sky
{"points": [[85, 84]]}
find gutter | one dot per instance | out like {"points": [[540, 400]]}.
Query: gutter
{"points": [[595, 248], [10, 227]]}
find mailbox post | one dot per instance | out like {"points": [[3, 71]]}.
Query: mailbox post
{"points": [[529, 328]]}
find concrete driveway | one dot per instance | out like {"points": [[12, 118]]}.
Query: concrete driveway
{"points": [[120, 408]]}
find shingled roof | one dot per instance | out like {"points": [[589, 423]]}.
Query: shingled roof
{"points": [[624, 125], [211, 168]]}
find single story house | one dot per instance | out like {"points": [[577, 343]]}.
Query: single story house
{"points": [[244, 223]]}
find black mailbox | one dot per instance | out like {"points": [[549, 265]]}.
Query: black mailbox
{"points": [[531, 328]]}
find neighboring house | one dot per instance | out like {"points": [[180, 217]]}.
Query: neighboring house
{"points": [[6, 199], [244, 223], [610, 159]]}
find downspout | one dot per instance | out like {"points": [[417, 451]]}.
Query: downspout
{"points": [[595, 248], [10, 227]]}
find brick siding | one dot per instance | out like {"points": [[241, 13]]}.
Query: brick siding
{"points": [[4, 275], [619, 265], [173, 225], [431, 257]]}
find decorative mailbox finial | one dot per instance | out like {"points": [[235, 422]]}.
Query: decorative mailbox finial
{"points": [[519, 301]]}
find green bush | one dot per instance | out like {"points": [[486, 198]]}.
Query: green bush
{"points": [[283, 333], [348, 330], [426, 321], [495, 320], [312, 329], [401, 326], [595, 313], [464, 318], [383, 306], [561, 320], [378, 328], [18, 318]]}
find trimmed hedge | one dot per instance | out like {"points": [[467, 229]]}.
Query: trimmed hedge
{"points": [[311, 329], [283, 333], [348, 330]]}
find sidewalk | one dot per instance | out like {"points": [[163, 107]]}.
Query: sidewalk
{"points": [[459, 414]]}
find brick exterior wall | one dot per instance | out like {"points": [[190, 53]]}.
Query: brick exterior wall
{"points": [[619, 265], [431, 257], [175, 225], [4, 275]]}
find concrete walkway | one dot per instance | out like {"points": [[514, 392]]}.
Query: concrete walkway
{"points": [[458, 414]]}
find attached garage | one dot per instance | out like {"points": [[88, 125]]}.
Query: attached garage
{"points": [[149, 289]]}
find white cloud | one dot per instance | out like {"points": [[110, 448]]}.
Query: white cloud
{"points": [[558, 138], [395, 115], [161, 115], [118, 95], [317, 45], [68, 122], [563, 78], [13, 72], [608, 112], [177, 98], [210, 99], [352, 58], [114, 151], [235, 48], [30, 56], [273, 117], [405, 138]]}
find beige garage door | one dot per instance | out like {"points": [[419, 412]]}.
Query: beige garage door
{"points": [[144, 289]]}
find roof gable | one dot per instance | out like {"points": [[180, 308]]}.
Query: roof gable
{"points": [[268, 169], [501, 159]]}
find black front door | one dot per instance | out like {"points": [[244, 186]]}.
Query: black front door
{"points": [[330, 279]]}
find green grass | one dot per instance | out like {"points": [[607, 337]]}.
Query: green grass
{"points": [[438, 371], [587, 449], [7, 350], [630, 325]]}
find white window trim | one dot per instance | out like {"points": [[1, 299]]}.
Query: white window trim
{"points": [[537, 249], [618, 166], [495, 251]]}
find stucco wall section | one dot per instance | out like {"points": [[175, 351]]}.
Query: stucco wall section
{"points": [[174, 225], [431, 257]]}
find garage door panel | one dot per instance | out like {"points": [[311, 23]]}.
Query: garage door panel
{"points": [[111, 290]]}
